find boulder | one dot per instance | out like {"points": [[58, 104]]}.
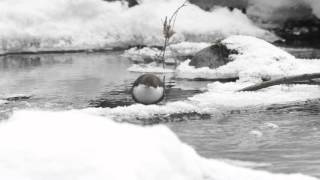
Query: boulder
{"points": [[213, 56]]}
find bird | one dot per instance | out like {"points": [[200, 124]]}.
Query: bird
{"points": [[148, 89]]}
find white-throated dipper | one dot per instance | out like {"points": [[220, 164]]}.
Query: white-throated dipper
{"points": [[148, 89]]}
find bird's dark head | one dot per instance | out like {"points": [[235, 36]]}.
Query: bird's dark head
{"points": [[149, 80]]}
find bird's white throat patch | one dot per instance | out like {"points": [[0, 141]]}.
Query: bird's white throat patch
{"points": [[146, 94]]}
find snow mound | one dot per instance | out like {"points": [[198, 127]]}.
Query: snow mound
{"points": [[143, 54], [150, 54], [256, 59], [173, 51], [187, 48], [148, 111], [249, 47], [149, 68], [224, 94], [68, 25], [72, 145]]}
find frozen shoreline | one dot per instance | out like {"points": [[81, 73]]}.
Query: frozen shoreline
{"points": [[60, 25], [60, 145]]}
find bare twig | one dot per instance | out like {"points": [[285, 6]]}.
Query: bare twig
{"points": [[168, 31], [284, 80]]}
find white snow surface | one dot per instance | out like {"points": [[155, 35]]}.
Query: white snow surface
{"points": [[187, 48], [172, 51], [224, 94], [149, 68], [151, 54], [147, 111], [139, 55], [73, 145], [36, 25]]}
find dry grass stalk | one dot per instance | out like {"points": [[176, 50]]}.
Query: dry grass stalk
{"points": [[168, 31]]}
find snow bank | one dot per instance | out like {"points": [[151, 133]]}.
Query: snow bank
{"points": [[187, 48], [143, 54], [148, 111], [256, 59], [252, 47], [149, 68], [224, 94], [89, 24], [173, 51], [219, 96], [69, 145]]}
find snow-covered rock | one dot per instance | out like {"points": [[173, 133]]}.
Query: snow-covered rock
{"points": [[255, 59], [213, 56]]}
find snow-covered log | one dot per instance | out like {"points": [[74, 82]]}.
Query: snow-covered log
{"points": [[284, 80]]}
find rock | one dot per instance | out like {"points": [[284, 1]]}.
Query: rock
{"points": [[213, 56], [132, 3], [300, 32]]}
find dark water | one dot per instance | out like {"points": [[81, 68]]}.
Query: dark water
{"points": [[67, 81], [291, 147], [304, 53], [79, 80], [63, 80]]}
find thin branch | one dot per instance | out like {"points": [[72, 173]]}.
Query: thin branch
{"points": [[168, 31], [175, 14]]}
